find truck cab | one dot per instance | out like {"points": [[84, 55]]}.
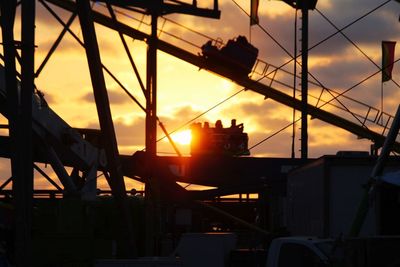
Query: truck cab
{"points": [[299, 252]]}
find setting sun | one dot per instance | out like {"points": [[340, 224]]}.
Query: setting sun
{"points": [[183, 137]]}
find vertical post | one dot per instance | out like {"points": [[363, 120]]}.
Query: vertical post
{"points": [[25, 146], [151, 92], [127, 247], [152, 187], [20, 122], [304, 79], [293, 155]]}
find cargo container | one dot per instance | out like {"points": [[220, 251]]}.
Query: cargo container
{"points": [[323, 197]]}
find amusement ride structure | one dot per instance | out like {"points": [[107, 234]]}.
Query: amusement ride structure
{"points": [[38, 135]]}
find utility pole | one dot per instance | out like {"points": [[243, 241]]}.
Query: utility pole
{"points": [[304, 79], [305, 6], [152, 195]]}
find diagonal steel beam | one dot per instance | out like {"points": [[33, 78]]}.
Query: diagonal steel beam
{"points": [[37, 168], [121, 36], [55, 44], [116, 181]]}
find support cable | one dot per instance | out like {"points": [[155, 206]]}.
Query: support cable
{"points": [[285, 127], [354, 44], [82, 44], [342, 93], [275, 133], [267, 33], [135, 69], [144, 110], [201, 114], [124, 88], [327, 38], [355, 85], [350, 24]]}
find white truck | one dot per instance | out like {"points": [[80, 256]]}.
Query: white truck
{"points": [[219, 250]]}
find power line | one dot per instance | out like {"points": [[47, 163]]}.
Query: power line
{"points": [[203, 113], [265, 31], [275, 133], [350, 24], [295, 58], [322, 41], [353, 43]]}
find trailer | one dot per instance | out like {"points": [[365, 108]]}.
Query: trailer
{"points": [[323, 197]]}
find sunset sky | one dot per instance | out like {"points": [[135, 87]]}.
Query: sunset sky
{"points": [[184, 91]]}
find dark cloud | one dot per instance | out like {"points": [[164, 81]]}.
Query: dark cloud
{"points": [[322, 138], [115, 98], [272, 146], [263, 114], [50, 98], [378, 24], [127, 134], [88, 97], [181, 118], [43, 16], [133, 133], [67, 45], [118, 98], [130, 134], [342, 72]]}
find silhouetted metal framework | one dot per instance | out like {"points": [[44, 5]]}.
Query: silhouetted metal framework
{"points": [[19, 111], [300, 4], [20, 119], [359, 130]]}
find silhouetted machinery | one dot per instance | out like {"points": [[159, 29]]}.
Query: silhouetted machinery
{"points": [[237, 54], [230, 141]]}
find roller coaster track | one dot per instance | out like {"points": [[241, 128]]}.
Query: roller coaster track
{"points": [[361, 127]]}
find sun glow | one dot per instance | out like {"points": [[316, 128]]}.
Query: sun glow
{"points": [[183, 137]]}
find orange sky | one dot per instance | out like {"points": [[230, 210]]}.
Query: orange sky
{"points": [[184, 91]]}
